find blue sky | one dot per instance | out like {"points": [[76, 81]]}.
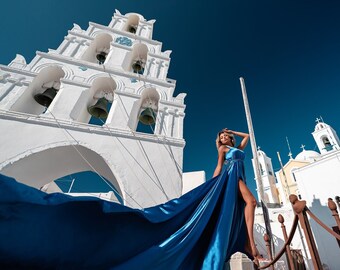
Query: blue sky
{"points": [[287, 51]]}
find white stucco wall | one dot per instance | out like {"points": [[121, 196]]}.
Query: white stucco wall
{"points": [[317, 182], [140, 167], [40, 146], [192, 180]]}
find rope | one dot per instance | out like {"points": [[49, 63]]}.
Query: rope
{"points": [[171, 155], [88, 163], [164, 143], [170, 152], [323, 225], [133, 133], [132, 170], [165, 140], [159, 185], [287, 243]]}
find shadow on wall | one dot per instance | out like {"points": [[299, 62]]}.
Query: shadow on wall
{"points": [[327, 245]]}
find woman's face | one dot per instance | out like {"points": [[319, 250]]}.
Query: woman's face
{"points": [[225, 139]]}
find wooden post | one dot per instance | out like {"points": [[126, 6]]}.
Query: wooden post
{"points": [[299, 209], [285, 237], [269, 250], [335, 214]]}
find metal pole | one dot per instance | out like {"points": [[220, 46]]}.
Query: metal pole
{"points": [[284, 174], [258, 178], [298, 226]]}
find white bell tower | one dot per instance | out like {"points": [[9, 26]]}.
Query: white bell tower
{"points": [[268, 177], [100, 102], [325, 137]]}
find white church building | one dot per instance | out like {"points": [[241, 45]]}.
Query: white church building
{"points": [[102, 102], [114, 76], [314, 177]]}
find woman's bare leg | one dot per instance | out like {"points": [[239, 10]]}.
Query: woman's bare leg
{"points": [[249, 213]]}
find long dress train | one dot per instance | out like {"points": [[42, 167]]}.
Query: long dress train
{"points": [[199, 230]]}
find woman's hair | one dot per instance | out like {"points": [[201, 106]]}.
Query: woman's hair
{"points": [[231, 136]]}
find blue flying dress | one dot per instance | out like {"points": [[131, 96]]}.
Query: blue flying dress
{"points": [[199, 230]]}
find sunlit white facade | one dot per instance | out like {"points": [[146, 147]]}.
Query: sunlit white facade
{"points": [[314, 177], [121, 64]]}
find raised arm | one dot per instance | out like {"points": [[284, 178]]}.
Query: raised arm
{"points": [[220, 160], [244, 136]]}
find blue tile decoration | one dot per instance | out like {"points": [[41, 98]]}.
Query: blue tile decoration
{"points": [[124, 41], [83, 68]]}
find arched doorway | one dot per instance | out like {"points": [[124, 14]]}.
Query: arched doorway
{"points": [[40, 168]]}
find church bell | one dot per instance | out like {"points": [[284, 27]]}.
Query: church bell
{"points": [[147, 117], [46, 98], [101, 56], [137, 66], [99, 109], [132, 29]]}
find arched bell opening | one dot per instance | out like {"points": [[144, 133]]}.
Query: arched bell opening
{"points": [[261, 169], [44, 167], [46, 97], [138, 58], [131, 24], [135, 61], [326, 143], [148, 110], [41, 91], [98, 107], [99, 49]]}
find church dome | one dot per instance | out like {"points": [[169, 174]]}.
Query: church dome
{"points": [[307, 155]]}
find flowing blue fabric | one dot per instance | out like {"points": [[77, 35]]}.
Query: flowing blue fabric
{"points": [[199, 230]]}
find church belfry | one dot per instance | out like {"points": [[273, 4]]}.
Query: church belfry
{"points": [[116, 75], [268, 178], [325, 137]]}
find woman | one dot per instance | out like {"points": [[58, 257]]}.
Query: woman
{"points": [[231, 159], [199, 230]]}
